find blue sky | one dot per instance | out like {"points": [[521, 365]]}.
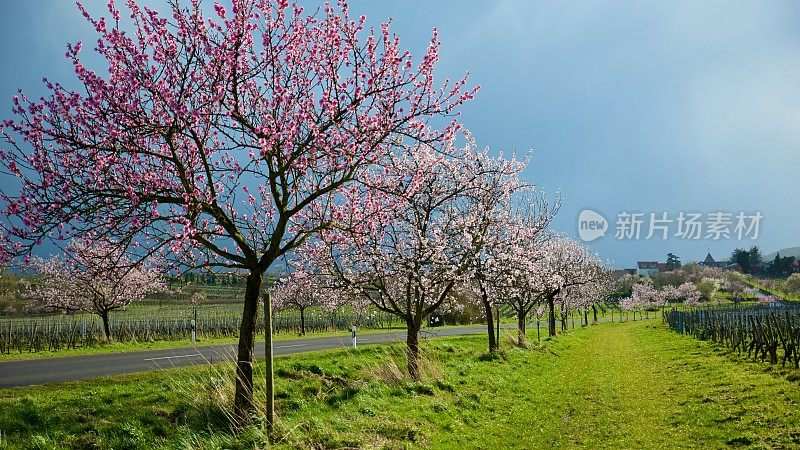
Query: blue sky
{"points": [[628, 106]]}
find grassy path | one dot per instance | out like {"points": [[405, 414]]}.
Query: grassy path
{"points": [[634, 385], [613, 385], [637, 385]]}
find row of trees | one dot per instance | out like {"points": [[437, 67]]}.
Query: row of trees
{"points": [[467, 226], [231, 139], [451, 222], [219, 140], [645, 297], [752, 262], [692, 284]]}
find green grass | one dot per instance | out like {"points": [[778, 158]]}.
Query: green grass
{"points": [[632, 385]]}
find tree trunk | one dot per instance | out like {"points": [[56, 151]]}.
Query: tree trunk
{"points": [[585, 316], [594, 310], [243, 406], [412, 349], [106, 326], [521, 327], [551, 322], [487, 308], [268, 357], [303, 321]]}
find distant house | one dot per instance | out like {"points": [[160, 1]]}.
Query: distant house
{"points": [[648, 268], [711, 262]]}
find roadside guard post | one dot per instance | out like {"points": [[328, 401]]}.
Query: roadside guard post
{"points": [[194, 328], [353, 330]]}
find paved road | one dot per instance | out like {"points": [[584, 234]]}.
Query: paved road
{"points": [[72, 368]]}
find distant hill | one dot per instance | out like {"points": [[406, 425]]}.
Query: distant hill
{"points": [[791, 251]]}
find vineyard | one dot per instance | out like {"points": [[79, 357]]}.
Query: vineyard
{"points": [[152, 323], [769, 333]]}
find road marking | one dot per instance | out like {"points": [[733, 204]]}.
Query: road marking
{"points": [[171, 357], [291, 345]]}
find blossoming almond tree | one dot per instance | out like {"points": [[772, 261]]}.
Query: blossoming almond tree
{"points": [[645, 297], [564, 264], [295, 291], [687, 293], [504, 269], [601, 291], [409, 262], [583, 296], [489, 235], [492, 274], [221, 141], [96, 277], [302, 290], [630, 303]]}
